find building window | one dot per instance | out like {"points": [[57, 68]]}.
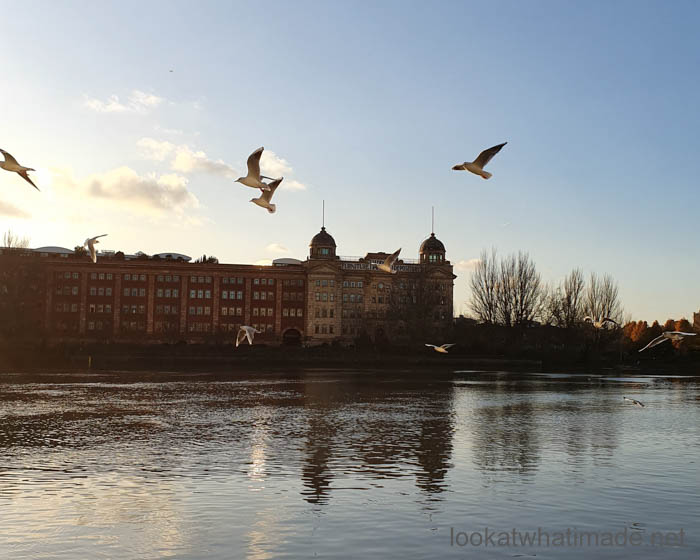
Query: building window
{"points": [[256, 281], [93, 291], [142, 292], [324, 296], [299, 314], [330, 329], [207, 294], [269, 311], [256, 312], [108, 291], [109, 276], [207, 310], [175, 293], [285, 313], [159, 293], [316, 329], [256, 295]]}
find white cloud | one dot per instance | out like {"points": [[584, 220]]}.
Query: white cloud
{"points": [[277, 248], [274, 166], [154, 149], [467, 265], [6, 209], [137, 102], [145, 193], [185, 160]]}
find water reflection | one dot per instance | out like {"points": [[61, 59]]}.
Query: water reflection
{"points": [[281, 464]]}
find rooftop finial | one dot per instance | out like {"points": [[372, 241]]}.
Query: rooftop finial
{"points": [[432, 225], [323, 215]]}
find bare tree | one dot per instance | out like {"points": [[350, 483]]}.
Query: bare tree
{"points": [[520, 291], [602, 298], [12, 241], [484, 288], [507, 292]]}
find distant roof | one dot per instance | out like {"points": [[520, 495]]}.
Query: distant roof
{"points": [[52, 249], [173, 256], [285, 261]]}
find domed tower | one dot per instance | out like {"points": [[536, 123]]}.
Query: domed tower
{"points": [[322, 246], [432, 251]]}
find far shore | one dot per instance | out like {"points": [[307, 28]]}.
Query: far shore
{"points": [[223, 358]]}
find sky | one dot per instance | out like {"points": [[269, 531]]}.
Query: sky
{"points": [[139, 116]]}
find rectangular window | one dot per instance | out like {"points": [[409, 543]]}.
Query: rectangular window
{"points": [[109, 276], [330, 329], [318, 296], [256, 312], [175, 293], [108, 291], [100, 308], [208, 279], [93, 291], [270, 281], [159, 292], [168, 278], [207, 294], [324, 296], [75, 290], [263, 281], [256, 295], [76, 275], [262, 310], [240, 280], [193, 294], [93, 276], [332, 296], [332, 283], [200, 294], [224, 311], [256, 281], [269, 311], [316, 329], [91, 326], [142, 309], [142, 292], [207, 310], [318, 283], [192, 310], [167, 292], [91, 308], [239, 311], [285, 312], [100, 291], [108, 308], [126, 292], [299, 314], [142, 278], [224, 295], [262, 295], [193, 279], [176, 278], [125, 309], [160, 278], [127, 277], [74, 308], [292, 312], [134, 292]]}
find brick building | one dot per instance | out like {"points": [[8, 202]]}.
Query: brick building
{"points": [[62, 296]]}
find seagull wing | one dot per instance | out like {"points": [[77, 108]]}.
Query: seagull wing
{"points": [[241, 336], [486, 155], [658, 340], [267, 195], [459, 167], [93, 253], [391, 259], [446, 346], [609, 320], [25, 176], [254, 163], [686, 333], [8, 157], [431, 346], [98, 236], [250, 333]]}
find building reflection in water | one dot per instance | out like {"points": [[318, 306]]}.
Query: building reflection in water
{"points": [[367, 430]]}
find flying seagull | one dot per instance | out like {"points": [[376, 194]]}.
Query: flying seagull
{"points": [[388, 264], [246, 332], [90, 244], [477, 166], [442, 349], [254, 179], [600, 324], [676, 336], [633, 401], [264, 199], [10, 164]]}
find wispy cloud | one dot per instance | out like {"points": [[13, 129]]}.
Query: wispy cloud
{"points": [[274, 166], [467, 265], [277, 248], [184, 159], [6, 209], [136, 102], [187, 160], [149, 193]]}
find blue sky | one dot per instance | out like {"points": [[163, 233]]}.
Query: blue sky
{"points": [[366, 105]]}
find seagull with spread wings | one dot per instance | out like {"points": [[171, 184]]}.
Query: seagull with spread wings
{"points": [[388, 264], [11, 164], [675, 336], [633, 401], [477, 166], [264, 199], [246, 332], [442, 349], [601, 323], [90, 244], [254, 179]]}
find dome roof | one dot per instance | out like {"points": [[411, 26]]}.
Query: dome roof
{"points": [[323, 238], [432, 244]]}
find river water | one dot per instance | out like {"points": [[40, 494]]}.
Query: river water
{"points": [[348, 464]]}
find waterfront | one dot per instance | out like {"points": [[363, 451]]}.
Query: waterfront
{"points": [[342, 464]]}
